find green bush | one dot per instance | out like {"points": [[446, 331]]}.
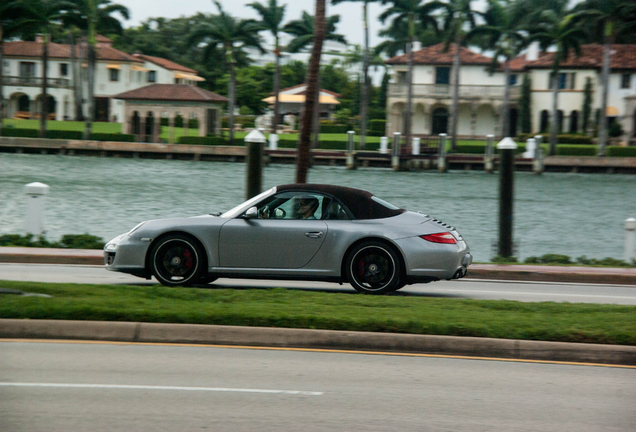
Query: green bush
{"points": [[615, 129], [561, 139], [336, 128], [81, 241], [377, 126], [64, 134], [616, 151], [20, 133], [549, 259], [576, 150], [113, 137]]}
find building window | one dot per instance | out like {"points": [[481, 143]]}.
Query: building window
{"points": [[513, 80], [114, 74], [567, 81], [63, 69], [626, 80], [27, 69], [152, 76], [442, 75]]}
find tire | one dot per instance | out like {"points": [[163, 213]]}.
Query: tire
{"points": [[373, 268], [177, 260]]}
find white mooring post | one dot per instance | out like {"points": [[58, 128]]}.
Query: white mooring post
{"points": [[395, 158], [441, 154], [351, 150], [35, 207], [488, 158], [273, 141], [384, 145], [415, 150], [254, 141], [630, 239]]}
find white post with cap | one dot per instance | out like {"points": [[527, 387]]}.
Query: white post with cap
{"points": [[35, 207], [630, 239]]}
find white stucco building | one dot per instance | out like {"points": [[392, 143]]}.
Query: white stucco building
{"points": [[116, 72], [481, 93]]}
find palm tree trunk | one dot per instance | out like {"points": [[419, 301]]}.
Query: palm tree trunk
{"points": [[555, 103], [230, 106], [44, 100], [91, 91], [77, 98], [409, 81], [364, 94], [455, 83], [1, 76], [276, 88], [302, 163], [505, 123], [315, 121], [602, 127]]}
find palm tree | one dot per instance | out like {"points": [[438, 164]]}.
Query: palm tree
{"points": [[304, 35], [559, 27], [42, 14], [610, 19], [364, 93], [504, 31], [11, 22], [302, 164], [271, 20], [409, 14], [231, 35], [94, 16], [457, 16]]}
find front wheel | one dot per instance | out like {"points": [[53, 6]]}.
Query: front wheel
{"points": [[177, 260], [373, 268]]}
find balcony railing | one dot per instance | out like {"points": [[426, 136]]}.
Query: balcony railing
{"points": [[445, 91], [35, 82]]}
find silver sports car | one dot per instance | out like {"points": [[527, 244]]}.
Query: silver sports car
{"points": [[297, 231]]}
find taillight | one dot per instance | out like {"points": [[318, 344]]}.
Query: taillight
{"points": [[444, 237]]}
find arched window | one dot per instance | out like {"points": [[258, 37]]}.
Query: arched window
{"points": [[24, 103], [544, 121], [440, 121], [574, 122], [559, 121]]}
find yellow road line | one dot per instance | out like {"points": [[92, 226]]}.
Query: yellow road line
{"points": [[319, 350]]}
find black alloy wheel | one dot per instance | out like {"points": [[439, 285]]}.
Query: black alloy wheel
{"points": [[177, 260], [373, 268]]}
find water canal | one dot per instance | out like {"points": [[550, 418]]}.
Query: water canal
{"points": [[571, 214]]}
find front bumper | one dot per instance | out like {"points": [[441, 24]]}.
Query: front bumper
{"points": [[126, 254]]}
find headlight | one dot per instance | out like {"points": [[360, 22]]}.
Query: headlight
{"points": [[136, 228], [111, 247]]}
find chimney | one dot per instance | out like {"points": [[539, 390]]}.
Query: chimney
{"points": [[533, 52], [39, 38], [417, 45]]}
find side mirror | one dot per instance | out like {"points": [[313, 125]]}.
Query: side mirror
{"points": [[251, 213]]}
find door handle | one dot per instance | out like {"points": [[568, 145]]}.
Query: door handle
{"points": [[314, 234]]}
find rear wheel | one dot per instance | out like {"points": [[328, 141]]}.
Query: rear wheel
{"points": [[373, 268], [177, 260]]}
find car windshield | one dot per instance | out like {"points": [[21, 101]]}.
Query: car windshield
{"points": [[239, 209]]}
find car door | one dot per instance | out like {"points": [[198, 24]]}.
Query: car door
{"points": [[277, 239]]}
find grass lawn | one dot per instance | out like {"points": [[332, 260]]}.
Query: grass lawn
{"points": [[609, 324], [98, 127]]}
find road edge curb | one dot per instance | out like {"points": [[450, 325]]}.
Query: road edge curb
{"points": [[317, 339]]}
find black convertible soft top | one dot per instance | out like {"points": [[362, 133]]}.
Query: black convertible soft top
{"points": [[360, 203]]}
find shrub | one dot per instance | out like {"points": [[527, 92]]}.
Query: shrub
{"points": [[576, 150], [549, 259], [336, 128], [503, 260], [561, 139], [615, 151], [17, 240], [615, 129], [113, 137], [81, 241], [20, 133], [64, 134], [376, 126]]}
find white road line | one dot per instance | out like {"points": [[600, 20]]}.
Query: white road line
{"points": [[142, 387]]}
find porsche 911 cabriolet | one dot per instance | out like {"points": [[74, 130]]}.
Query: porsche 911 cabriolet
{"points": [[298, 232]]}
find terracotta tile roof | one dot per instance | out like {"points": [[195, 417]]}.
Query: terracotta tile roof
{"points": [[62, 51], [171, 93], [303, 92], [164, 63], [517, 64], [436, 55], [623, 57]]}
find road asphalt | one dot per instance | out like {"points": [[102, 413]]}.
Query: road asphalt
{"points": [[327, 339]]}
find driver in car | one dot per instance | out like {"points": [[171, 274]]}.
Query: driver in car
{"points": [[305, 208]]}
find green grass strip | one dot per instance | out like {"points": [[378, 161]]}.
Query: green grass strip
{"points": [[549, 321]]}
